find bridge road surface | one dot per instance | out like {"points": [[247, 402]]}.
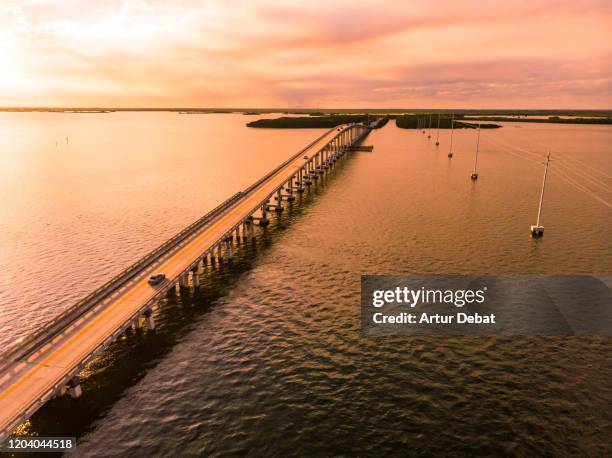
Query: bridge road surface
{"points": [[26, 382]]}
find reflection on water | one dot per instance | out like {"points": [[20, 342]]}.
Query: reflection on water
{"points": [[267, 357], [116, 186]]}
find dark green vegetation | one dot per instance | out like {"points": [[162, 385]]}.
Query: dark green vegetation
{"points": [[550, 119], [423, 121], [307, 121]]}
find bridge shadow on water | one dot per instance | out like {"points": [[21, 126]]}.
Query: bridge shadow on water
{"points": [[129, 358]]}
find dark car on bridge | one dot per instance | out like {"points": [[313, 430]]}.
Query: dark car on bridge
{"points": [[156, 279]]}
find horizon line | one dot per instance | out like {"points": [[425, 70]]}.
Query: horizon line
{"points": [[280, 109]]}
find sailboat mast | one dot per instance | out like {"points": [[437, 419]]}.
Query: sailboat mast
{"points": [[450, 150], [537, 230], [475, 173], [543, 187]]}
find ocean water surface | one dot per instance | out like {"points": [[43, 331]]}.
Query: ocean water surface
{"points": [[267, 358]]}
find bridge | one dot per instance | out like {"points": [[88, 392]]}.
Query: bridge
{"points": [[47, 363]]}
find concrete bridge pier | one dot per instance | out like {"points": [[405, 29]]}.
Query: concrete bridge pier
{"points": [[228, 249], [264, 221], [278, 208], [137, 323], [313, 168], [307, 180], [300, 181], [148, 316], [74, 387], [245, 229], [183, 280], [252, 230], [220, 256], [291, 196], [195, 278]]}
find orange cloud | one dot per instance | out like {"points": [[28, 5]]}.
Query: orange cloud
{"points": [[537, 53]]}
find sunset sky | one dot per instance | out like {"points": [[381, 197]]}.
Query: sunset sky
{"points": [[316, 54]]}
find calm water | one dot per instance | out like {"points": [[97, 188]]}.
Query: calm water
{"points": [[267, 357], [76, 214]]}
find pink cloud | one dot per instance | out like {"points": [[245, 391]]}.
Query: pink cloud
{"points": [[336, 53]]}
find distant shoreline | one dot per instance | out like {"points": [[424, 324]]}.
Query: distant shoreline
{"points": [[605, 113], [406, 119], [549, 120]]}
